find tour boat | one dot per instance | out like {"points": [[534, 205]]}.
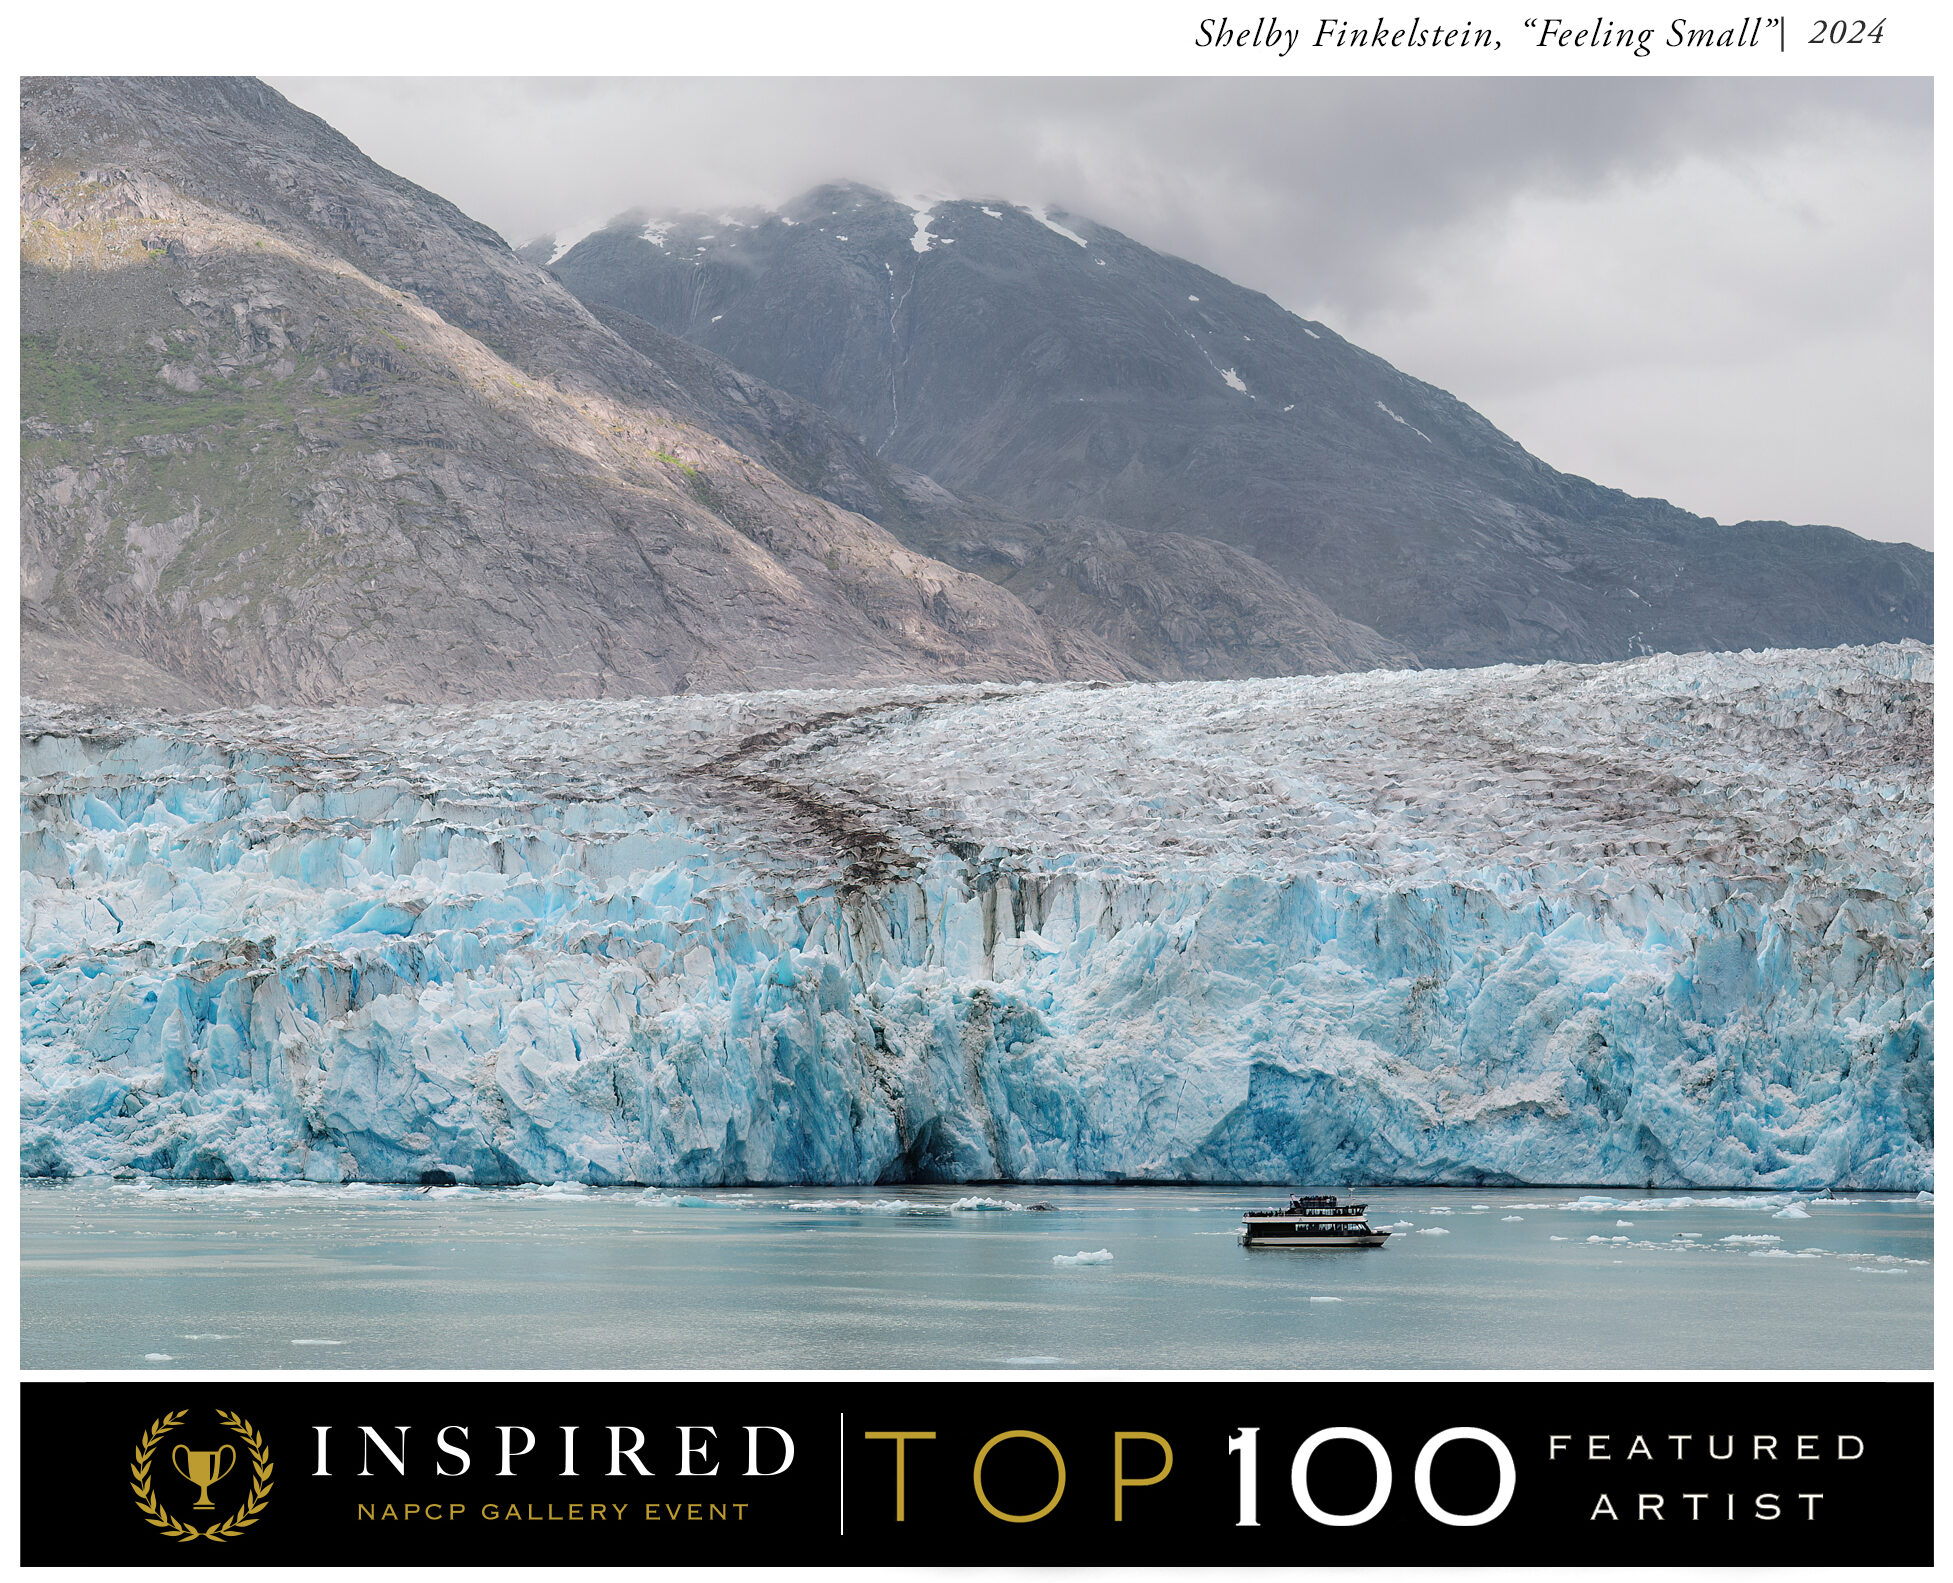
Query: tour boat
{"points": [[1316, 1222]]}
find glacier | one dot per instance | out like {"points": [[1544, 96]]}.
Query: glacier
{"points": [[1658, 923]]}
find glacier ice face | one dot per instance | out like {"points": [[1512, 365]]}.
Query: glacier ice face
{"points": [[1664, 922]]}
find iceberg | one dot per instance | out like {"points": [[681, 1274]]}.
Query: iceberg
{"points": [[1659, 924]]}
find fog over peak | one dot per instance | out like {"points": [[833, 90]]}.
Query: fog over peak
{"points": [[1713, 290]]}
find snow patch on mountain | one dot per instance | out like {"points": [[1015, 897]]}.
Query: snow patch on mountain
{"points": [[1037, 212], [924, 211], [1405, 422], [565, 240]]}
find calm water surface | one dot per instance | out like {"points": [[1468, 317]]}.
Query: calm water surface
{"points": [[280, 1276]]}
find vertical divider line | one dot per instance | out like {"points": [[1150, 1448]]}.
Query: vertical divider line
{"points": [[844, 1476]]}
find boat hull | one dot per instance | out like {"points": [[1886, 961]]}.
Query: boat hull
{"points": [[1277, 1239]]}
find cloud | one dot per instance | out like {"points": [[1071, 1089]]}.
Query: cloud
{"points": [[1716, 290]]}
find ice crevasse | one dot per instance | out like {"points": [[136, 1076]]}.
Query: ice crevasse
{"points": [[1661, 922]]}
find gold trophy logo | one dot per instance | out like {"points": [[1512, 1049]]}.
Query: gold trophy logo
{"points": [[203, 1469]]}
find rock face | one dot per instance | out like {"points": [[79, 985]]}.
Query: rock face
{"points": [[1661, 922], [1064, 370], [1116, 602], [297, 430]]}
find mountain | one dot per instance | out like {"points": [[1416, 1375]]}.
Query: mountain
{"points": [[1664, 921], [1150, 606], [1065, 371], [296, 430]]}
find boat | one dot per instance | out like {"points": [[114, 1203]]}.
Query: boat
{"points": [[1317, 1221]]}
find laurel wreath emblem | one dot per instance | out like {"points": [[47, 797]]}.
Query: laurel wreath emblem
{"points": [[174, 1527]]}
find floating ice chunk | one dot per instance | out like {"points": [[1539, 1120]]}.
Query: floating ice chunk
{"points": [[995, 214], [717, 317], [313, 1342], [975, 1203], [1792, 1212], [1234, 380], [1865, 1269], [1437, 1211], [563, 1190], [1511, 1217], [1192, 298], [1103, 1256], [164, 1357], [1325, 1299], [1757, 1236], [1397, 1225], [1311, 334], [1924, 1198], [1559, 1239], [1623, 1222], [1432, 1231], [1719, 1201], [1289, 408], [1778, 1253]]}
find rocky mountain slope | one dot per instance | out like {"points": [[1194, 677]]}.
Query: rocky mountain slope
{"points": [[1155, 606], [1665, 921], [298, 430], [1064, 370]]}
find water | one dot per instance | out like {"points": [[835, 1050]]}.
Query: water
{"points": [[287, 1276]]}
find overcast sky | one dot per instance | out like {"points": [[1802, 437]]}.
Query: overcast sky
{"points": [[1716, 291]]}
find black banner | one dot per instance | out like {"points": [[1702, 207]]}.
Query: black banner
{"points": [[1057, 1472]]}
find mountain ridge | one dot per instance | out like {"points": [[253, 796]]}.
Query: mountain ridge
{"points": [[297, 430], [1063, 369]]}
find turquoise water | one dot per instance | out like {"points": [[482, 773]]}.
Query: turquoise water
{"points": [[280, 1276]]}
